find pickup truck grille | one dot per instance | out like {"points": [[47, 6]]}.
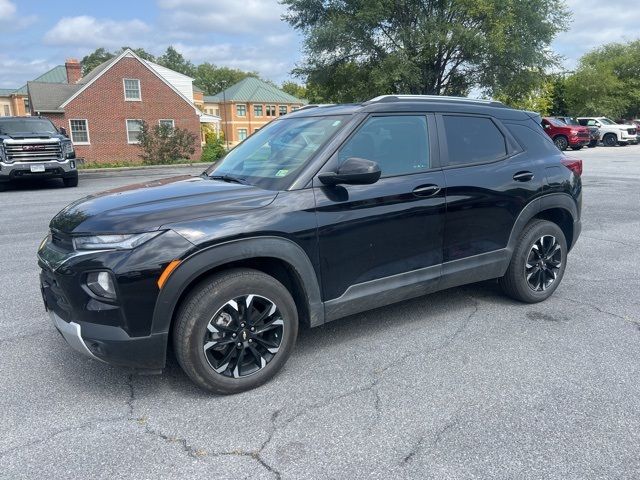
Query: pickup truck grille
{"points": [[32, 151], [631, 131]]}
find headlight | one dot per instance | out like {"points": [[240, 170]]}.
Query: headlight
{"points": [[67, 150], [113, 242]]}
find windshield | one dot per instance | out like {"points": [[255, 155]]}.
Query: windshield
{"points": [[556, 123], [26, 125], [606, 121], [272, 157]]}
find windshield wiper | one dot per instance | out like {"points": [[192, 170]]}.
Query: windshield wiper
{"points": [[230, 179]]}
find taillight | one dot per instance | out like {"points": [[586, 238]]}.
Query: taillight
{"points": [[573, 164]]}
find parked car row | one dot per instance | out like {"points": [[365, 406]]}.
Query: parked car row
{"points": [[575, 133]]}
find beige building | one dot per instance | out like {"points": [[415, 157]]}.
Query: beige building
{"points": [[248, 106]]}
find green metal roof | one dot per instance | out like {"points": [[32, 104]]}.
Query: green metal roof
{"points": [[57, 74], [254, 90], [5, 92]]}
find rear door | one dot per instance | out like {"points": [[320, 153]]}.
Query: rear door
{"points": [[489, 179]]}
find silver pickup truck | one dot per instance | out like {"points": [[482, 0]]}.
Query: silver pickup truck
{"points": [[32, 147]]}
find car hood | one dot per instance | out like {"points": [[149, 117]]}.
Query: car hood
{"points": [[148, 206], [29, 135], [625, 126]]}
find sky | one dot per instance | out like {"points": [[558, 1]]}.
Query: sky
{"points": [[36, 35]]}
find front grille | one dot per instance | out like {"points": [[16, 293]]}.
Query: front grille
{"points": [[583, 134], [631, 131], [32, 151]]}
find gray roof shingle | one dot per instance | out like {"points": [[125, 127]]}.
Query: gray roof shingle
{"points": [[47, 97]]}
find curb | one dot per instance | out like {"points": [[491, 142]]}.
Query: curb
{"points": [[92, 171]]}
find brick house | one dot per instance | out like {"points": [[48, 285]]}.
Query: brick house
{"points": [[248, 106], [102, 112]]}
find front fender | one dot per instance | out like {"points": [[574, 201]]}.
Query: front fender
{"points": [[205, 260]]}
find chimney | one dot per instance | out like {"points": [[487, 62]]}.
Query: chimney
{"points": [[73, 70]]}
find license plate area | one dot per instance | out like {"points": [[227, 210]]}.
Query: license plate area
{"points": [[38, 168]]}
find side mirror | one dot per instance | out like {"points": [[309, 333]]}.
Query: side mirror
{"points": [[63, 131], [354, 171], [545, 125]]}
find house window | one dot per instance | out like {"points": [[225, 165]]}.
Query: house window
{"points": [[131, 89], [241, 110], [283, 109], [133, 130], [257, 110], [217, 112], [242, 134], [26, 105], [7, 111], [79, 131], [271, 110], [168, 122]]}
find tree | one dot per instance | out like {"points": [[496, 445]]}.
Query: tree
{"points": [[214, 79], [91, 61], [607, 82], [424, 46], [163, 144], [175, 61], [214, 147], [292, 88]]}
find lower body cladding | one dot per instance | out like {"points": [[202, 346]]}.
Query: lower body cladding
{"points": [[38, 169]]}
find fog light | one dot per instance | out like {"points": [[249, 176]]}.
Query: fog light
{"points": [[72, 164], [101, 283]]}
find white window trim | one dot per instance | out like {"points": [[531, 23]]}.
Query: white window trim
{"points": [[245, 110], [126, 127], [86, 122], [173, 122], [246, 134], [124, 90], [261, 111]]}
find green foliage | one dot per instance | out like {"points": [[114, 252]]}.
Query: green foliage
{"points": [[559, 106], [214, 79], [214, 146], [162, 144], [356, 49], [175, 61], [101, 55], [607, 82], [292, 88], [539, 99]]}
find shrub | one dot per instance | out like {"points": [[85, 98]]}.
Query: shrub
{"points": [[214, 148], [163, 145]]}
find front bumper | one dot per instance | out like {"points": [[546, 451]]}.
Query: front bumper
{"points": [[579, 141], [52, 169], [72, 333]]}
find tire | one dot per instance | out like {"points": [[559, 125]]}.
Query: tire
{"points": [[579, 147], [71, 181], [525, 284], [208, 327], [593, 144], [610, 140], [561, 142]]}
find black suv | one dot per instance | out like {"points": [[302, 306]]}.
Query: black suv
{"points": [[32, 147], [325, 212]]}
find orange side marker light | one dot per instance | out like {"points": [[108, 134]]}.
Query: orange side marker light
{"points": [[167, 271]]}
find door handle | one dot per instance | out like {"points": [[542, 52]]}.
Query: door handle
{"points": [[426, 190], [523, 176]]}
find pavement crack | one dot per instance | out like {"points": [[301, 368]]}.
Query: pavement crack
{"points": [[595, 307]]}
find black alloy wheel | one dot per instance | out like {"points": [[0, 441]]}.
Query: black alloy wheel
{"points": [[610, 140], [543, 263], [561, 142], [243, 336]]}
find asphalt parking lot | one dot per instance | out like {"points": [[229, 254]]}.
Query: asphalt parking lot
{"points": [[460, 384]]}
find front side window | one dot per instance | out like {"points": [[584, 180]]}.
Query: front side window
{"points": [[473, 140], [79, 130], [398, 144], [241, 110], [242, 134], [133, 130], [132, 89], [257, 110], [283, 110], [272, 156]]}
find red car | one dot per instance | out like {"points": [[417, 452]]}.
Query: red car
{"points": [[564, 135]]}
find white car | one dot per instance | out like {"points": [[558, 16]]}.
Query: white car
{"points": [[611, 133]]}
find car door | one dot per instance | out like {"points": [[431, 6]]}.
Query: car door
{"points": [[489, 179], [387, 236]]}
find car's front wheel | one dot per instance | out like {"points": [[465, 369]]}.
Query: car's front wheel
{"points": [[561, 142], [235, 330], [538, 263], [610, 140], [71, 181]]}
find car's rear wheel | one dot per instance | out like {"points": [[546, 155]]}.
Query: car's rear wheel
{"points": [[593, 144], [577, 147], [235, 331], [610, 140], [538, 263], [561, 142]]}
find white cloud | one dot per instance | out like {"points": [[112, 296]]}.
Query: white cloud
{"points": [[224, 16], [16, 70], [595, 23], [89, 31], [9, 18], [7, 9]]}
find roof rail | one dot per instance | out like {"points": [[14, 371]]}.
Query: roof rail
{"points": [[419, 98], [316, 105]]}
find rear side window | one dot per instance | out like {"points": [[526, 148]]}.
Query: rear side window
{"points": [[399, 144], [473, 139], [536, 142]]}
